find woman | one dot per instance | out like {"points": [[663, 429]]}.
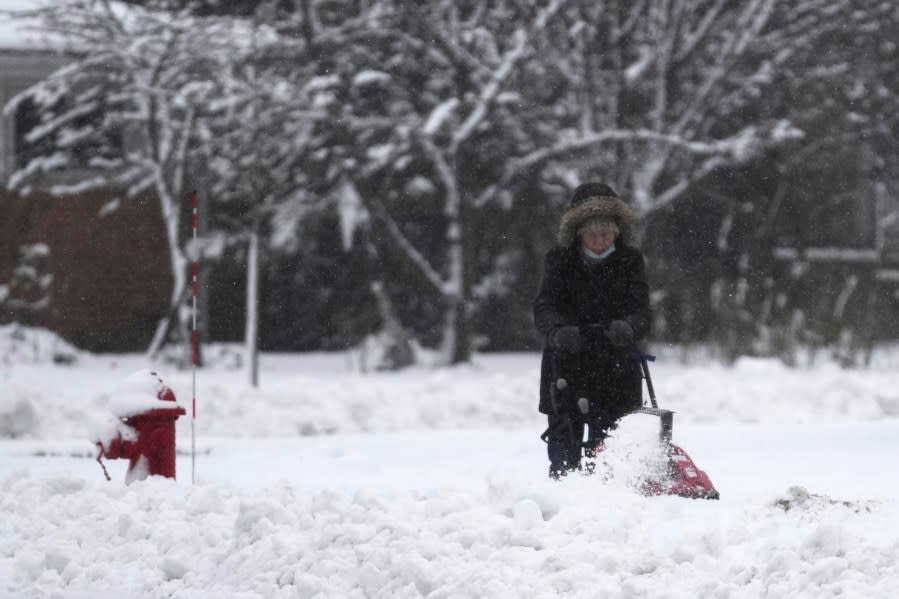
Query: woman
{"points": [[592, 306]]}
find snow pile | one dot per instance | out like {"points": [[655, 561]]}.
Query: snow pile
{"points": [[764, 390], [20, 399], [29, 345], [18, 418], [299, 395], [344, 402], [806, 510], [581, 539], [319, 394]]}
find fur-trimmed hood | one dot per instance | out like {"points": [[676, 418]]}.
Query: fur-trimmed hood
{"points": [[604, 206]]}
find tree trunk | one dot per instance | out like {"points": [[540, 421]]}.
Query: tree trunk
{"points": [[178, 264], [399, 351], [251, 335], [462, 335], [456, 346]]}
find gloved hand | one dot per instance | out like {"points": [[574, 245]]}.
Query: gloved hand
{"points": [[620, 333], [566, 338]]}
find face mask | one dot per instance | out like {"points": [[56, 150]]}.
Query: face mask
{"points": [[597, 257]]}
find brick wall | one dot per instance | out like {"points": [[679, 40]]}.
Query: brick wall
{"points": [[111, 269]]}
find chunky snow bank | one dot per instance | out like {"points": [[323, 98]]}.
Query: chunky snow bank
{"points": [[450, 498], [64, 537], [806, 511]]}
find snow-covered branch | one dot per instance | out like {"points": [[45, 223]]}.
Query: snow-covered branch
{"points": [[489, 93], [501, 74], [748, 24], [458, 56], [672, 193], [411, 252], [636, 12], [734, 146], [699, 34]]}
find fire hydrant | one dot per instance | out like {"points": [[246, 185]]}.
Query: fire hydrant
{"points": [[146, 412]]}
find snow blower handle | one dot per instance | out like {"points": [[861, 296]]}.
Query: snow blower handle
{"points": [[644, 360], [666, 417]]}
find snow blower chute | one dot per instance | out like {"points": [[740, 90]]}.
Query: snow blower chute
{"points": [[682, 477]]}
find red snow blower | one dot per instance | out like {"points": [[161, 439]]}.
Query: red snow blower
{"points": [[679, 475]]}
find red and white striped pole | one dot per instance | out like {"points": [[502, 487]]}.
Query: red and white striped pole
{"points": [[194, 338]]}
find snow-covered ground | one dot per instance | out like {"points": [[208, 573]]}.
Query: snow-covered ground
{"points": [[326, 482]]}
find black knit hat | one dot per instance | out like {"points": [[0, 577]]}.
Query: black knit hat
{"points": [[586, 191]]}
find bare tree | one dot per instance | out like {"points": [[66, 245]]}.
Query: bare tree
{"points": [[656, 95], [123, 114], [663, 93], [417, 90], [255, 138]]}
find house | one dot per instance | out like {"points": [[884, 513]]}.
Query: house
{"points": [[108, 259], [25, 58]]}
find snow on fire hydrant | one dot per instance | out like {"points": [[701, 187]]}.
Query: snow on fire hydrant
{"points": [[145, 412]]}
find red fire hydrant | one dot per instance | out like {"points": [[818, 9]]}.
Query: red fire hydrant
{"points": [[145, 435]]}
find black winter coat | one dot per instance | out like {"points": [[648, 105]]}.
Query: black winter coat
{"points": [[575, 293]]}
